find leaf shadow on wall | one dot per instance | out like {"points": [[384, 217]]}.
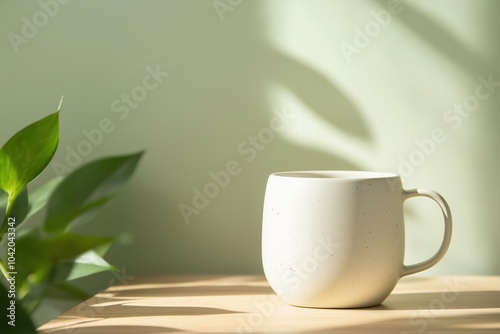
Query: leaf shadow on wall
{"points": [[442, 40]]}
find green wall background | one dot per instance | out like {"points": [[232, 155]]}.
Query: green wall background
{"points": [[355, 100]]}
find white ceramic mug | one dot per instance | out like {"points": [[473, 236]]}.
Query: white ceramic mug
{"points": [[335, 239]]}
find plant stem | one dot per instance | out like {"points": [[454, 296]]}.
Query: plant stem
{"points": [[8, 210]]}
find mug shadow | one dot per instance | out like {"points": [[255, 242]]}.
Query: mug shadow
{"points": [[450, 300], [429, 312], [423, 323]]}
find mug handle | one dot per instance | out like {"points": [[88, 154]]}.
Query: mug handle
{"points": [[414, 268]]}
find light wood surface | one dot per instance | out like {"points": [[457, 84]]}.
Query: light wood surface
{"points": [[246, 304]]}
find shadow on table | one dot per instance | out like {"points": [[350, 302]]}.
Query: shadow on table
{"points": [[176, 291], [429, 313], [116, 330], [422, 322], [150, 286], [132, 311], [136, 311], [434, 301], [192, 278]]}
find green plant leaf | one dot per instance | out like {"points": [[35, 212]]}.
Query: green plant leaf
{"points": [[83, 265], [81, 194], [102, 250], [66, 291], [40, 197], [3, 204], [31, 295], [38, 255], [26, 154], [21, 207]]}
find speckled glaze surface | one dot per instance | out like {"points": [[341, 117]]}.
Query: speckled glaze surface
{"points": [[335, 239]]}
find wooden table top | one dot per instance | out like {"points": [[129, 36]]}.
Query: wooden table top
{"points": [[246, 304]]}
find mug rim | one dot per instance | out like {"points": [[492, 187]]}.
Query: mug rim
{"points": [[335, 174]]}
